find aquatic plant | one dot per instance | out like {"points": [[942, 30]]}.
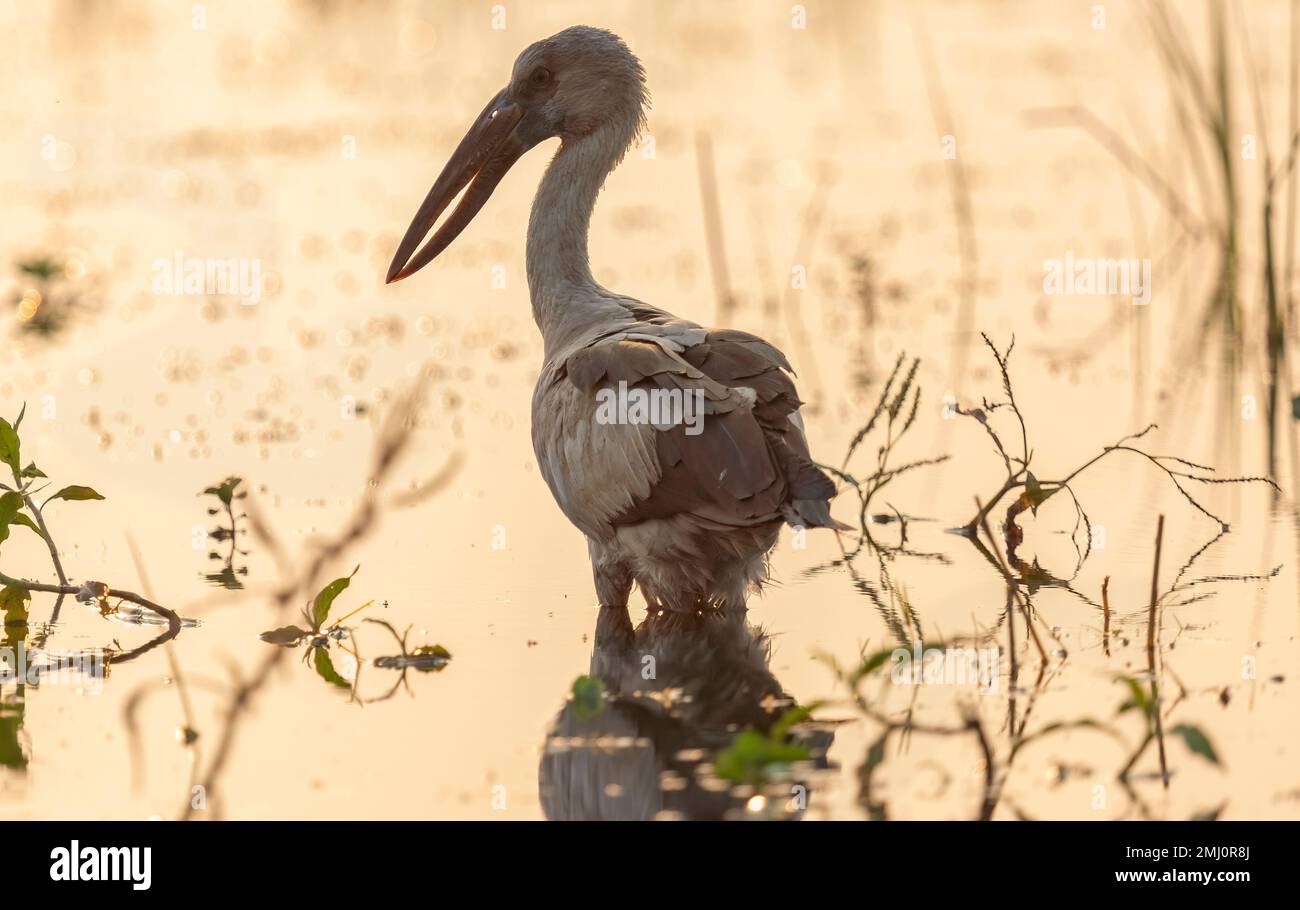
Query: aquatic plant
{"points": [[318, 636], [756, 758], [1035, 491], [422, 659], [18, 508], [227, 493], [894, 414], [44, 304], [302, 581]]}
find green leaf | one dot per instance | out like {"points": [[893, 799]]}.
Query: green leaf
{"points": [[13, 604], [430, 658], [320, 608], [75, 494], [32, 471], [1034, 492], [226, 491], [875, 755], [875, 661], [795, 715], [1138, 697], [41, 267], [226, 578], [10, 503], [9, 446], [752, 757], [287, 636], [11, 748], [588, 697], [325, 669], [21, 413], [22, 519], [742, 761], [1197, 741], [875, 758]]}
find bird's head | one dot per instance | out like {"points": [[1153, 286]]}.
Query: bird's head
{"points": [[576, 84]]}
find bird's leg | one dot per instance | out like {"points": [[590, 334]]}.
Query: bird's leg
{"points": [[614, 634], [613, 578], [613, 585], [731, 589]]}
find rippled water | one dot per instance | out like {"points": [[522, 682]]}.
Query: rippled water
{"points": [[304, 135]]}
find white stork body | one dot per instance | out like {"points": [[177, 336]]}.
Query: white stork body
{"points": [[689, 516]]}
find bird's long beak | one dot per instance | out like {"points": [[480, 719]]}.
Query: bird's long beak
{"points": [[481, 160]]}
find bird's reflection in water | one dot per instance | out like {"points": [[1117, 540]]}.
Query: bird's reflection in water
{"points": [[678, 689]]}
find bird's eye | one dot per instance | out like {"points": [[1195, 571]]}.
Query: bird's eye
{"points": [[541, 76]]}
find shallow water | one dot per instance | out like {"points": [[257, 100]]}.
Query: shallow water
{"points": [[305, 135]]}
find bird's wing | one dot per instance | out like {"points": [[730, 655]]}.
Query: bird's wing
{"points": [[743, 460]]}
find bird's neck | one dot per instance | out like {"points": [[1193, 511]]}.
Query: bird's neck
{"points": [[565, 297]]}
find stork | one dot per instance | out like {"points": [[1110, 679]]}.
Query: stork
{"points": [[687, 510]]}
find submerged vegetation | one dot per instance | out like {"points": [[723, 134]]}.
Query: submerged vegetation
{"points": [[22, 506], [1021, 581], [756, 759], [19, 508], [23, 654], [318, 637], [894, 414], [227, 493], [1035, 491], [421, 659], [46, 299]]}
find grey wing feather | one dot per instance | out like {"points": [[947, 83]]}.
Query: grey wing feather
{"points": [[750, 464]]}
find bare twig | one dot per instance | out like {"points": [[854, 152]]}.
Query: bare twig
{"points": [[1153, 637]]}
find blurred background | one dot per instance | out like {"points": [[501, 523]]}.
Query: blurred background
{"points": [[856, 181]]}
